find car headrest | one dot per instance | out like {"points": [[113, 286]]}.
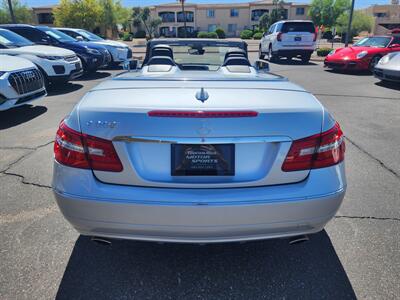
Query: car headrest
{"points": [[162, 50], [161, 60], [236, 61], [235, 53]]}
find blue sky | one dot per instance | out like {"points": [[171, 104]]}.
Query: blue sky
{"points": [[359, 3]]}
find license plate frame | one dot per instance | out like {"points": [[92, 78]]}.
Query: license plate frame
{"points": [[297, 38], [202, 159]]}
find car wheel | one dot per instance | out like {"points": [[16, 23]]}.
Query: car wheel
{"points": [[45, 78], [306, 58], [260, 53], [271, 56], [374, 61]]}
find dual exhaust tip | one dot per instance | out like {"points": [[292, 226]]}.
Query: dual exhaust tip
{"points": [[292, 241]]}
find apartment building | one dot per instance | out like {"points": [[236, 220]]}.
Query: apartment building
{"points": [[232, 17], [387, 17]]}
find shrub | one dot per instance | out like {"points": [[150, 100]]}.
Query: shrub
{"points": [[246, 34], [140, 34], [323, 51], [221, 33], [202, 35], [127, 36], [212, 35], [258, 35]]}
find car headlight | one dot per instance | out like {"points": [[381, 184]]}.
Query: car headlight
{"points": [[385, 59], [50, 57], [92, 51], [362, 54], [332, 52]]}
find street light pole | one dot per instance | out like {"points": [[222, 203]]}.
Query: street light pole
{"points": [[11, 11], [184, 16], [349, 25]]}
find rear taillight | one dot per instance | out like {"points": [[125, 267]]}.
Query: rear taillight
{"points": [[74, 149], [317, 151], [279, 37], [315, 36]]}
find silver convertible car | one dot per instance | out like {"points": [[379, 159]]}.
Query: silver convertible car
{"points": [[197, 145]]}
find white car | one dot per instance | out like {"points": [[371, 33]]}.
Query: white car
{"points": [[388, 67], [289, 39], [21, 82], [57, 64], [120, 52]]}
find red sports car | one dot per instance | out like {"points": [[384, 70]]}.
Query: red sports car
{"points": [[364, 54]]}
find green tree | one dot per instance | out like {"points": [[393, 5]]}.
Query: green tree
{"points": [[263, 22], [113, 13], [78, 13], [22, 13], [278, 13], [326, 12], [141, 18], [361, 22]]}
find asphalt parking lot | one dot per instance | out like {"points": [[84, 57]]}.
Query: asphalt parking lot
{"points": [[357, 256]]}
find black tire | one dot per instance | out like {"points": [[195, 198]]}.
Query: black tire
{"points": [[306, 58], [261, 55], [45, 78], [374, 61], [271, 56]]}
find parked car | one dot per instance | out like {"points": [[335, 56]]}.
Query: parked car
{"points": [[289, 39], [388, 67], [21, 82], [57, 65], [364, 54], [198, 145], [92, 56], [120, 52]]}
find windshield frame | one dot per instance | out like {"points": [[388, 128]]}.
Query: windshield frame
{"points": [[358, 44], [23, 41]]}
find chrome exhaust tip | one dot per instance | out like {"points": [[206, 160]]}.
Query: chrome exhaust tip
{"points": [[298, 239], [100, 241]]}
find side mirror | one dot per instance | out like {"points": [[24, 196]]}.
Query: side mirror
{"points": [[261, 65], [130, 65], [79, 38], [394, 46]]}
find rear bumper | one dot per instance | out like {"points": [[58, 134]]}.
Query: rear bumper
{"points": [[294, 52], [198, 215]]}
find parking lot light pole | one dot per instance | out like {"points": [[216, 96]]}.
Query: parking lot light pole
{"points": [[11, 11], [349, 25]]}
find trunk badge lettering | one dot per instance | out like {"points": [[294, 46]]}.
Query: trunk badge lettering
{"points": [[102, 124], [202, 95]]}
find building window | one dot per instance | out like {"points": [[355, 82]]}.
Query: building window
{"points": [[189, 16], [380, 15], [300, 11], [45, 18], [167, 16], [232, 28], [189, 31], [210, 13], [257, 13], [234, 12], [168, 31], [212, 27]]}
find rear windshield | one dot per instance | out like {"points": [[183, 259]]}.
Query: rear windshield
{"points": [[298, 27]]}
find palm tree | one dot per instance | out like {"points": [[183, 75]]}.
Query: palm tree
{"points": [[184, 15]]}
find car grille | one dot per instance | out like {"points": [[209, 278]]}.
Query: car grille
{"points": [[30, 97], [335, 65], [70, 58], [27, 81]]}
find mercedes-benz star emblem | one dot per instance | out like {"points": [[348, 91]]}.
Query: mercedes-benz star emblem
{"points": [[202, 95]]}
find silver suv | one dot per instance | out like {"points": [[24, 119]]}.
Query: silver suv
{"points": [[289, 39]]}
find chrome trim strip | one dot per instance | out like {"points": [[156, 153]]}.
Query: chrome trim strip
{"points": [[202, 140]]}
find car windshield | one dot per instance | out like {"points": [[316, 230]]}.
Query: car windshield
{"points": [[90, 36], [58, 35], [211, 56], [11, 39], [379, 41]]}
